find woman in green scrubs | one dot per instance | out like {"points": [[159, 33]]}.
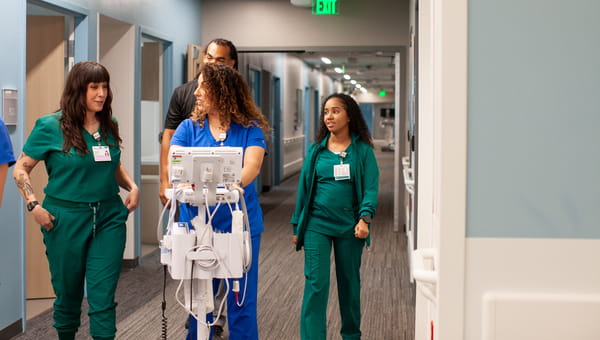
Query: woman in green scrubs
{"points": [[82, 217], [337, 199]]}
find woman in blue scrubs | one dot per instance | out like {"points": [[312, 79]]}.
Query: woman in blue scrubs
{"points": [[225, 115], [7, 157]]}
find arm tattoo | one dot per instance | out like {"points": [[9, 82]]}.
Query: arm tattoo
{"points": [[24, 186], [27, 166]]}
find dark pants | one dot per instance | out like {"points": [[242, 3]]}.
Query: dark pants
{"points": [[85, 246], [317, 257]]}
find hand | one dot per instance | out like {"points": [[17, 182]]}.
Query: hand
{"points": [[236, 187], [161, 194], [361, 230], [43, 217], [132, 200], [294, 239]]}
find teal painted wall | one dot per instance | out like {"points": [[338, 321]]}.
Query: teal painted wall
{"points": [[12, 71], [533, 119], [177, 21]]}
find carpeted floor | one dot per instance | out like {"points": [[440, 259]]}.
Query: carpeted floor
{"points": [[387, 295]]}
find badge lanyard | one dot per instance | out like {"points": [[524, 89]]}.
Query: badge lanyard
{"points": [[222, 137], [341, 171], [101, 152]]}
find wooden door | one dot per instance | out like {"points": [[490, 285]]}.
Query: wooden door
{"points": [[45, 80]]}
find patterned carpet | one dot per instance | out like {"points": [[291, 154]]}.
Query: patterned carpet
{"points": [[387, 295]]}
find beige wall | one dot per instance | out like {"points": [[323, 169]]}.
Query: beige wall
{"points": [[279, 24]]}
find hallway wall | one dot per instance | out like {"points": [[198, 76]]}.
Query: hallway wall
{"points": [[533, 191], [12, 69], [291, 26], [295, 76]]}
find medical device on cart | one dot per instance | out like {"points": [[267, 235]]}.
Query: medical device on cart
{"points": [[205, 177]]}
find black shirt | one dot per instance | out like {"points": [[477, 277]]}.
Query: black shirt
{"points": [[181, 105]]}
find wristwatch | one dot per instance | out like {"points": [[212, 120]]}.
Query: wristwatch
{"points": [[366, 218], [32, 205]]}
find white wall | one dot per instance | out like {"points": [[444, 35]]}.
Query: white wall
{"points": [[151, 127], [294, 74], [116, 52], [288, 26], [532, 289], [514, 194]]}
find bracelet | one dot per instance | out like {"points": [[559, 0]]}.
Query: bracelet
{"points": [[32, 205]]}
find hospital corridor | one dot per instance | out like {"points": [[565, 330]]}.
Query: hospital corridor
{"points": [[299, 169]]}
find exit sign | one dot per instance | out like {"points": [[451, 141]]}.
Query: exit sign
{"points": [[325, 7]]}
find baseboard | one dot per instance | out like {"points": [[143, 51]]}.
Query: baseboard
{"points": [[12, 330], [130, 263]]}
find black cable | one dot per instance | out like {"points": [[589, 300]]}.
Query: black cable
{"points": [[164, 306]]}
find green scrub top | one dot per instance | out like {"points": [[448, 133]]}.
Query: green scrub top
{"points": [[335, 206], [72, 176]]}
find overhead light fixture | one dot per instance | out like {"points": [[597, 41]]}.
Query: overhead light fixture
{"points": [[347, 76], [338, 70], [363, 90], [302, 3], [326, 60], [358, 86], [353, 82]]}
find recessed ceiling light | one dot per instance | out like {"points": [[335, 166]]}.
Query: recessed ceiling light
{"points": [[353, 82], [338, 70], [326, 60], [347, 76]]}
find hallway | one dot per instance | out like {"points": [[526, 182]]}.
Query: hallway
{"points": [[387, 294]]}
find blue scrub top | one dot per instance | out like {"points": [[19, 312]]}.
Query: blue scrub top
{"points": [[190, 133], [6, 150]]}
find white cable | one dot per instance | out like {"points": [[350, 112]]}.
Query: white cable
{"points": [[241, 303], [159, 227], [179, 301], [210, 216], [246, 255], [191, 313], [173, 209], [215, 319]]}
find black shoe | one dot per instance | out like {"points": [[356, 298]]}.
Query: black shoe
{"points": [[218, 330]]}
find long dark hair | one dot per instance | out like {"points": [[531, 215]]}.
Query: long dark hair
{"points": [[231, 96], [74, 106], [357, 124]]}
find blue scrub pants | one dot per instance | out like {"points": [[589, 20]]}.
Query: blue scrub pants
{"points": [[241, 321]]}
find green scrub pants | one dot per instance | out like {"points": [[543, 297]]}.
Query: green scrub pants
{"points": [[317, 255], [86, 244]]}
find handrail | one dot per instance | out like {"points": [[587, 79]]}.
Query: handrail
{"points": [[405, 162], [428, 278], [409, 180]]}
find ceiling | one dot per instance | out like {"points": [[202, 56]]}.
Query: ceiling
{"points": [[372, 69]]}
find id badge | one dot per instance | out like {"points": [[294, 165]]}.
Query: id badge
{"points": [[341, 172], [101, 153]]}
